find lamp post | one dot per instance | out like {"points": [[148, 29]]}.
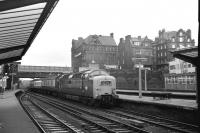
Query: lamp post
{"points": [[140, 60], [140, 81], [145, 78]]}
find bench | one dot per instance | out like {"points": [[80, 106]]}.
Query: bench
{"points": [[161, 95]]}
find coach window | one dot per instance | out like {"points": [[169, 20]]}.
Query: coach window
{"points": [[180, 80], [184, 79], [188, 79], [176, 80], [70, 77], [85, 76], [192, 80], [169, 80], [173, 80]]}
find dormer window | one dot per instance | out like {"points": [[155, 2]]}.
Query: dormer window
{"points": [[180, 33]]}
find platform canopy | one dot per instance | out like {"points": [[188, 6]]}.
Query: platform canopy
{"points": [[20, 22], [187, 54]]}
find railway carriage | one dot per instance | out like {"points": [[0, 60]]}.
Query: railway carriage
{"points": [[180, 82]]}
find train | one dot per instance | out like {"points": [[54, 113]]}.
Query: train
{"points": [[93, 87]]}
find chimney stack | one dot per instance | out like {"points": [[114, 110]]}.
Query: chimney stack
{"points": [[128, 37], [121, 40], [112, 35]]}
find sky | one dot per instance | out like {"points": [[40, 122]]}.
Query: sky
{"points": [[80, 18]]}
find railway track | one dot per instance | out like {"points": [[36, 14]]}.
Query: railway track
{"points": [[160, 121], [46, 121], [94, 122], [105, 120]]}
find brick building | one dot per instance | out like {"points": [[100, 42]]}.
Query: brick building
{"points": [[132, 48], [167, 41], [95, 50]]}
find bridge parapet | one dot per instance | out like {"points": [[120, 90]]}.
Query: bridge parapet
{"points": [[45, 69]]}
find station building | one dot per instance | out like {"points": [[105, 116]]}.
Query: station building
{"points": [[178, 66], [182, 75], [132, 48], [95, 50]]}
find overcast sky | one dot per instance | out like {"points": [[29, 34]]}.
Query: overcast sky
{"points": [[79, 18]]}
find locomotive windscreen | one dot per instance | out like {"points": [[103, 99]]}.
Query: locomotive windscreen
{"points": [[106, 83]]}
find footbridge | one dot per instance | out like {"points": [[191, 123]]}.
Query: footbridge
{"points": [[27, 71]]}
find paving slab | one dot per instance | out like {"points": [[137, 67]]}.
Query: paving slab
{"points": [[13, 119]]}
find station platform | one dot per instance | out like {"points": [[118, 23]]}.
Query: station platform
{"points": [[148, 92], [170, 102], [13, 119]]}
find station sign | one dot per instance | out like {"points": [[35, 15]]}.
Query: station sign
{"points": [[139, 60]]}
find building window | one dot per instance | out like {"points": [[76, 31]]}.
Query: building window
{"points": [[160, 54], [177, 66], [172, 67], [185, 65], [137, 52], [181, 39], [173, 45], [137, 43]]}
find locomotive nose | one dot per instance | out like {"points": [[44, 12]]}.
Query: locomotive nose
{"points": [[104, 85]]}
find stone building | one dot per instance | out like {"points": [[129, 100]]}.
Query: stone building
{"points": [[133, 48], [95, 50], [167, 41]]}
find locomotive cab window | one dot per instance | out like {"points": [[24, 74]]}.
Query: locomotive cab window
{"points": [[106, 83]]}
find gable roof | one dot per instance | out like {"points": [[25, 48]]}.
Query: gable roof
{"points": [[100, 40]]}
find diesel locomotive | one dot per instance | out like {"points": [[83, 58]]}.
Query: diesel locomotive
{"points": [[90, 87]]}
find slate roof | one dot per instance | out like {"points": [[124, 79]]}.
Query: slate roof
{"points": [[100, 40]]}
